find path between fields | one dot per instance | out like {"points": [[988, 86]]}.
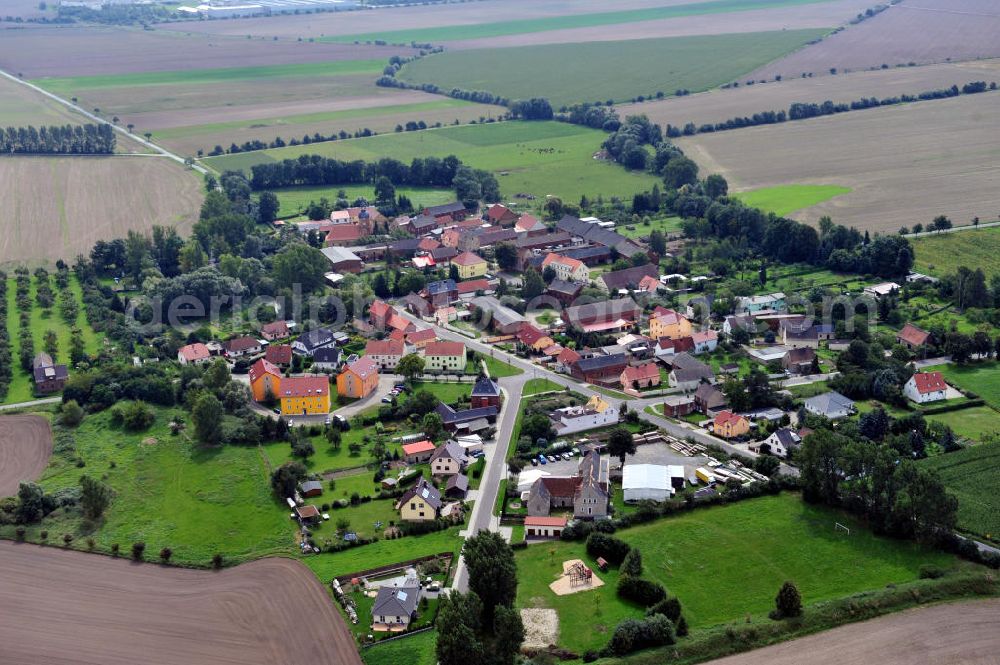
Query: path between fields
{"points": [[967, 632], [138, 139], [36, 402]]}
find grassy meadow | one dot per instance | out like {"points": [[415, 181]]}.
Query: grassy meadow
{"points": [[943, 254], [973, 475], [665, 225], [537, 158], [981, 378], [786, 199], [527, 26], [598, 71], [725, 563], [294, 200]]}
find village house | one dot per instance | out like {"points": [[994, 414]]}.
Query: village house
{"points": [[469, 265], [913, 337], [340, 235], [467, 421], [308, 342], [416, 305], [709, 399], [780, 443], [629, 278], [666, 347], [799, 360], [530, 225], [753, 304], [193, 354], [596, 413], [729, 425], [385, 353], [486, 392], [444, 356], [705, 341], [241, 346], [924, 387], [565, 360], [687, 373], [544, 527], [567, 269], [48, 376], [304, 395], [448, 459], [563, 291], [326, 359], [441, 293], [668, 323], [600, 369], [342, 259], [603, 316], [311, 488], [274, 331], [471, 288], [358, 379], [395, 608], [677, 406], [587, 493], [641, 376], [418, 452], [420, 503], [457, 486], [501, 318], [533, 338], [500, 215], [831, 405], [421, 338], [265, 379], [448, 212], [279, 354], [735, 322]]}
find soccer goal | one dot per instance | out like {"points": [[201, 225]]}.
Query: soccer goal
{"points": [[841, 527]]}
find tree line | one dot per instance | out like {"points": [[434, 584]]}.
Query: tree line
{"points": [[804, 111], [6, 361], [319, 170], [87, 139]]}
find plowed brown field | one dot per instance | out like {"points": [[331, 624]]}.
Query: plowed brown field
{"points": [[957, 633], [69, 607], [25, 447]]}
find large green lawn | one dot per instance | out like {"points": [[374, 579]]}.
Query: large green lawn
{"points": [[786, 199], [598, 71], [725, 563], [22, 386], [76, 84], [171, 492], [294, 200], [526, 26], [665, 225], [384, 552], [942, 254], [973, 424], [499, 369], [973, 475], [415, 650], [538, 158], [981, 378]]}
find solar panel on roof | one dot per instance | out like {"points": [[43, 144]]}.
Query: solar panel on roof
{"points": [[401, 595]]}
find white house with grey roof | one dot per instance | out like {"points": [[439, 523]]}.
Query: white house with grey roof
{"points": [[395, 607], [830, 405]]}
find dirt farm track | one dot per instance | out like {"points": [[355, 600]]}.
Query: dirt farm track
{"points": [[954, 634], [88, 609], [25, 447]]}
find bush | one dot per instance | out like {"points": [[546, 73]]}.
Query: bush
{"points": [[609, 548], [638, 590], [668, 607], [71, 414], [19, 533], [929, 571], [216, 561], [634, 634], [788, 602], [133, 416], [115, 548], [138, 550], [632, 563], [165, 554]]}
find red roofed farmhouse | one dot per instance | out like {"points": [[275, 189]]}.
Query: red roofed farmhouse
{"points": [[641, 376], [926, 387]]}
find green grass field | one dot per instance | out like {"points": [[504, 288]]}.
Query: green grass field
{"points": [[973, 475], [415, 650], [22, 386], [665, 225], [571, 73], [539, 158], [75, 84], [972, 423], [306, 118], [786, 199], [537, 386], [943, 254], [171, 492], [295, 199], [725, 563], [499, 369], [382, 553], [981, 378], [526, 26]]}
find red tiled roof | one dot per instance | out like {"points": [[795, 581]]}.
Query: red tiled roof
{"points": [[568, 356], [529, 334], [473, 285], [468, 259], [498, 211], [559, 258], [444, 349], [380, 309], [418, 336], [913, 335], [562, 487], [307, 511], [279, 354], [385, 347], [343, 233], [397, 334], [544, 521], [275, 328], [196, 351], [640, 372], [418, 447], [241, 344], [262, 367], [725, 417], [428, 244], [398, 322], [363, 367], [528, 223], [304, 386], [929, 382], [704, 336]]}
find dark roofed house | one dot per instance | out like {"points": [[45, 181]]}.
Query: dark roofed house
{"points": [[626, 279], [563, 291], [485, 393], [241, 346], [799, 360], [404, 247], [456, 211], [457, 486], [395, 607], [311, 488], [708, 398], [49, 377], [422, 224], [326, 359], [441, 293], [544, 241], [470, 420], [502, 319], [600, 369], [309, 341], [416, 305], [591, 256], [602, 316], [443, 255]]}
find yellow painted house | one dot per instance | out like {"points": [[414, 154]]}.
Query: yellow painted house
{"points": [[729, 425], [469, 265], [358, 379], [421, 503], [668, 323], [296, 395]]}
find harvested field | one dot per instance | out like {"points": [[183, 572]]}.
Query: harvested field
{"points": [[570, 73], [904, 164], [71, 202], [696, 18], [967, 632], [102, 51], [721, 105], [20, 105], [25, 447], [90, 609], [948, 30]]}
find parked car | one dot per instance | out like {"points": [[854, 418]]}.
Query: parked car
{"points": [[542, 459], [552, 458], [277, 410], [387, 400], [534, 462]]}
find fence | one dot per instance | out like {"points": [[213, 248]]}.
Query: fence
{"points": [[402, 565], [401, 636]]}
